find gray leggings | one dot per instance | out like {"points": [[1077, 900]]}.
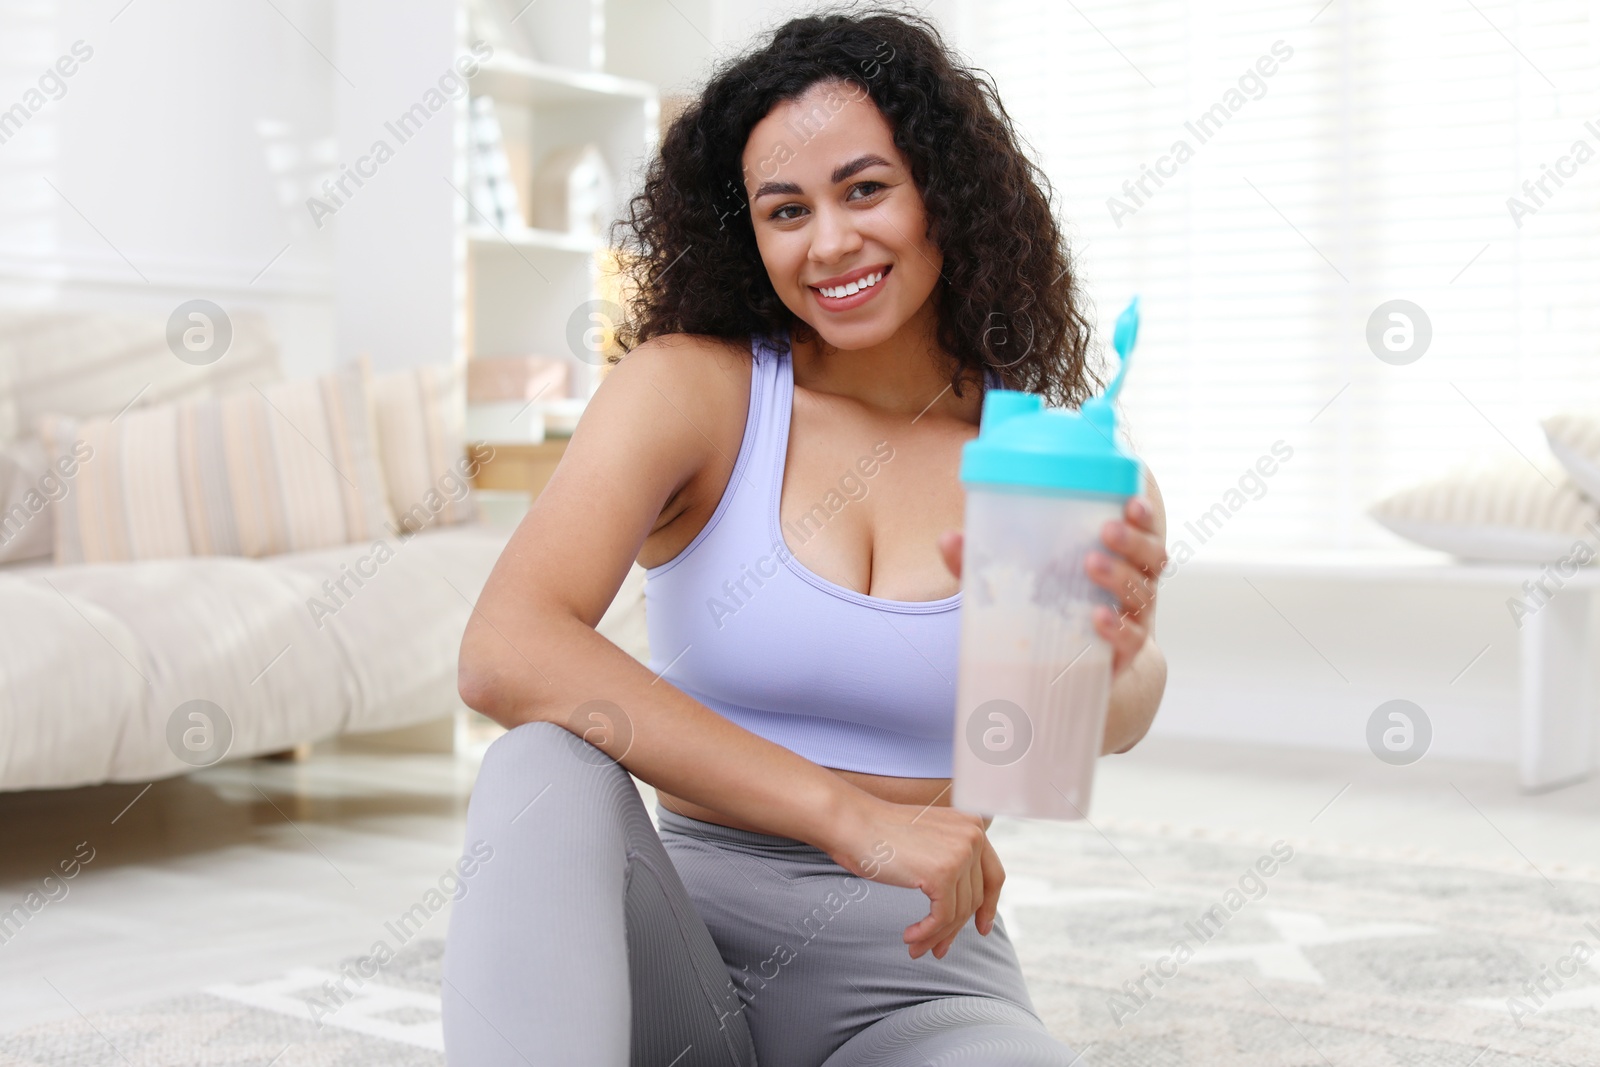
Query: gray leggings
{"points": [[589, 939]]}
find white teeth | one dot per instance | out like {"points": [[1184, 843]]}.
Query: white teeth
{"points": [[838, 292]]}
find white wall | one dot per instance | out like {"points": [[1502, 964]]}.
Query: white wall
{"points": [[398, 259], [179, 155], [674, 45]]}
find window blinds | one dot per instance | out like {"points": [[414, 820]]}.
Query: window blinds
{"points": [[1267, 175]]}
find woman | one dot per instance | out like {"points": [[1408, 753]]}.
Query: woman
{"points": [[839, 245]]}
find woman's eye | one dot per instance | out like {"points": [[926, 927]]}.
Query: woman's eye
{"points": [[779, 213], [869, 187]]}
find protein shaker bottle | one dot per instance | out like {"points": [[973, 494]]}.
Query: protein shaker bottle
{"points": [[1034, 680]]}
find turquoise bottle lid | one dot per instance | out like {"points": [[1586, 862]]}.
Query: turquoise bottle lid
{"points": [[1021, 442]]}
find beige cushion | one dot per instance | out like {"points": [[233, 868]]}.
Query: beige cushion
{"points": [[1574, 437], [420, 412], [254, 472], [1504, 511], [27, 486]]}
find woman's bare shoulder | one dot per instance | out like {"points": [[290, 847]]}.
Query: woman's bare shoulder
{"points": [[698, 360], [679, 402], [699, 383]]}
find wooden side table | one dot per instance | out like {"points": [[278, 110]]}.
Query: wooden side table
{"points": [[517, 468]]}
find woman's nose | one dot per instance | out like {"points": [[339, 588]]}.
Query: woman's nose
{"points": [[833, 236]]}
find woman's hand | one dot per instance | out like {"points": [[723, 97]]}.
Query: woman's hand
{"points": [[1132, 574], [939, 850]]}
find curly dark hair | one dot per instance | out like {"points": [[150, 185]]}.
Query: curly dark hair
{"points": [[1008, 299]]}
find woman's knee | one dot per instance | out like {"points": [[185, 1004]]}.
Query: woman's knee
{"points": [[543, 765], [546, 750], [955, 1031]]}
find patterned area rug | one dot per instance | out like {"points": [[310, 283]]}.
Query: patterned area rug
{"points": [[1142, 948], [1151, 950]]}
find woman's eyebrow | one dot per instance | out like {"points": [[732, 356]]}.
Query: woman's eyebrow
{"points": [[860, 163], [769, 188]]}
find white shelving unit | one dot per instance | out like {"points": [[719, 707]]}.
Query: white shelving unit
{"points": [[524, 286], [420, 276]]}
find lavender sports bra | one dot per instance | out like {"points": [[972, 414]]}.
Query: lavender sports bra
{"points": [[846, 680]]}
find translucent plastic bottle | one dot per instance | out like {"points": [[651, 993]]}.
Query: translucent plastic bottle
{"points": [[1034, 680]]}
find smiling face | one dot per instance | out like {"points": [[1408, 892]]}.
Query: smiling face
{"points": [[839, 222]]}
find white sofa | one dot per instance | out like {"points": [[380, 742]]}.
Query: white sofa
{"points": [[95, 658]]}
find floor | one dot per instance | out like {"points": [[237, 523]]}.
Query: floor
{"points": [[239, 872]]}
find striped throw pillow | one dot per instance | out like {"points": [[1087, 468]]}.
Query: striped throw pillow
{"points": [[1512, 511], [257, 471], [420, 414]]}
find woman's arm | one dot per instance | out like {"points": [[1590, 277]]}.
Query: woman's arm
{"points": [[530, 651], [1136, 688], [1135, 696]]}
